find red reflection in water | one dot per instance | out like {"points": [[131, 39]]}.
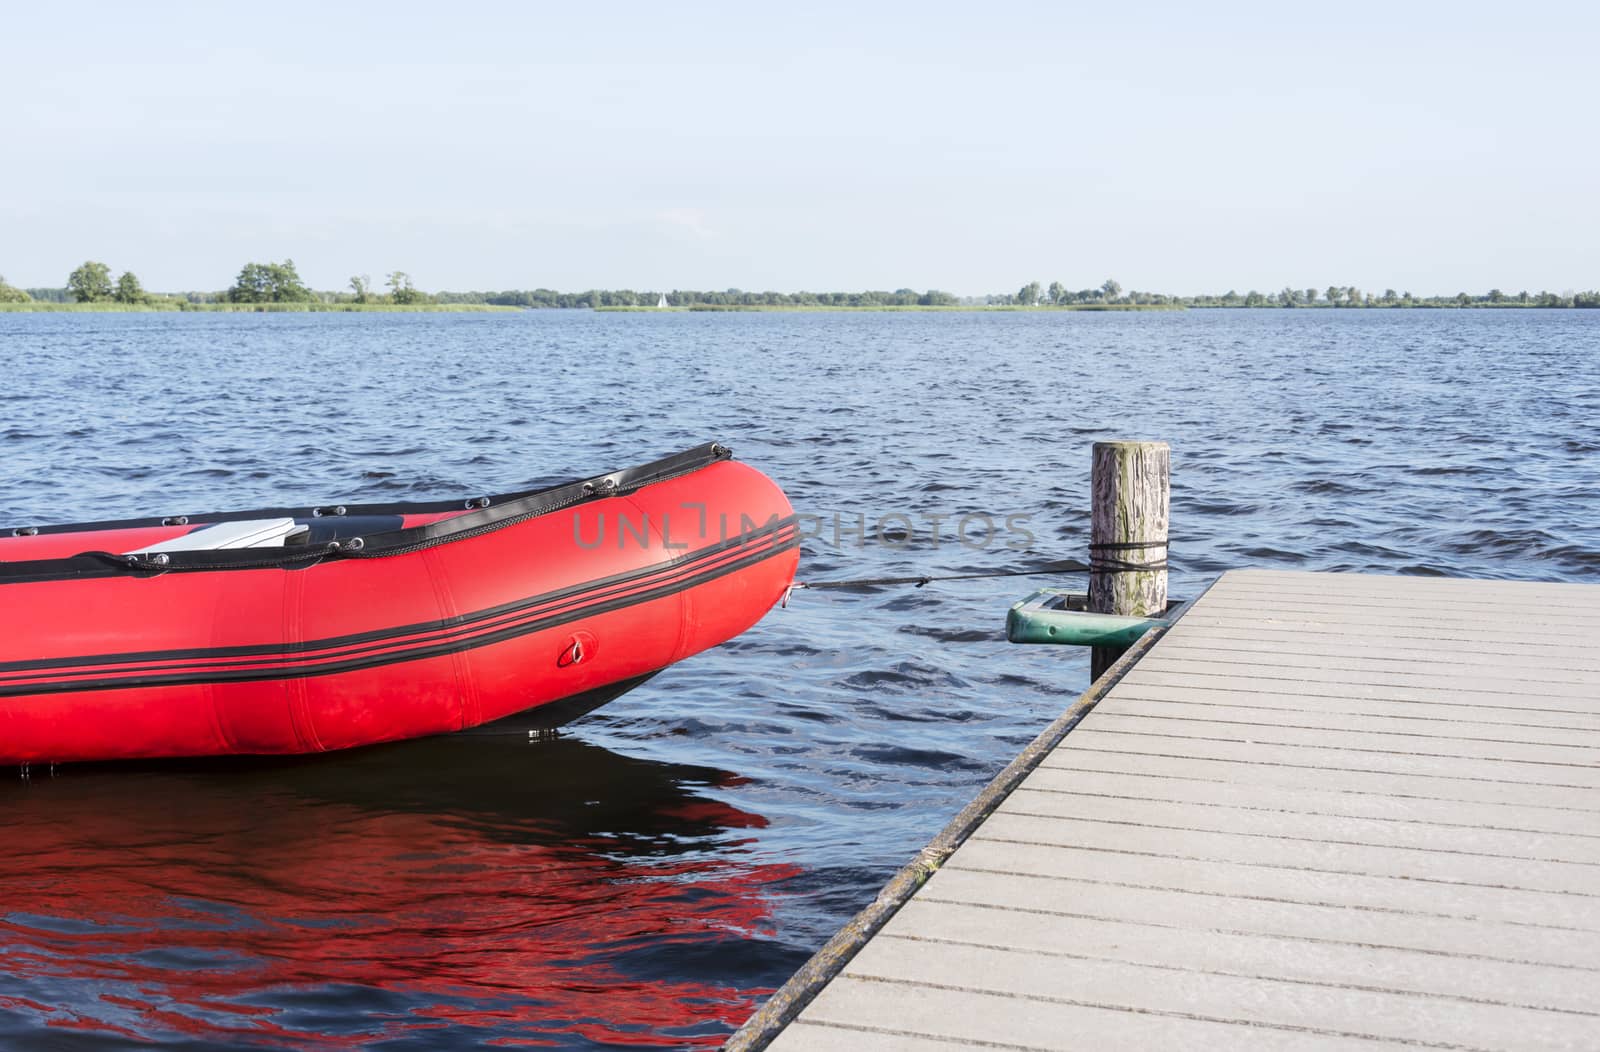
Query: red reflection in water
{"points": [[550, 894]]}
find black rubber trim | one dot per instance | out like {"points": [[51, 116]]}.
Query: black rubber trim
{"points": [[503, 510], [327, 667], [784, 532]]}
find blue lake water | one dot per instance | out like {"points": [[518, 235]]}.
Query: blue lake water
{"points": [[647, 876]]}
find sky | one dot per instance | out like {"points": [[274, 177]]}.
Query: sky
{"points": [[1179, 147]]}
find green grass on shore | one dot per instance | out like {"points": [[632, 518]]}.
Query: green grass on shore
{"points": [[887, 307], [1112, 306], [174, 306]]}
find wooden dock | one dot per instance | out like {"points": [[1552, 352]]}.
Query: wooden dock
{"points": [[1320, 811]]}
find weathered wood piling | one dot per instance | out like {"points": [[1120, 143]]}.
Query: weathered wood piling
{"points": [[1131, 485]]}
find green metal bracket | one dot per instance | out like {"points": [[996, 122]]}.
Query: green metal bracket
{"points": [[1055, 615]]}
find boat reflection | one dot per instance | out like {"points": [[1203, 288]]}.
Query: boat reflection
{"points": [[476, 888]]}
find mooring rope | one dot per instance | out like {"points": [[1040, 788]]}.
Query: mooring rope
{"points": [[1068, 566], [1058, 567], [1097, 565]]}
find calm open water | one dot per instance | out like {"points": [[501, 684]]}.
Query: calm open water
{"points": [[645, 878]]}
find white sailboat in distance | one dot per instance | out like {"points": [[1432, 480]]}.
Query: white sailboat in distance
{"points": [[663, 304]]}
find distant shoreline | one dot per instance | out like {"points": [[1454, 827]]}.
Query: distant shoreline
{"points": [[317, 307], [1045, 308], [272, 287]]}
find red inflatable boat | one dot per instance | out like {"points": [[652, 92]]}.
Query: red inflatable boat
{"points": [[296, 630]]}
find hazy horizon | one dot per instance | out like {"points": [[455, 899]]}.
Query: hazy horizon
{"points": [[1431, 148]]}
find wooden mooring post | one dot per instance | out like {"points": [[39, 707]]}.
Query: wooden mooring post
{"points": [[1131, 486]]}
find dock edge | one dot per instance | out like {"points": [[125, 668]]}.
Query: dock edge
{"points": [[805, 984]]}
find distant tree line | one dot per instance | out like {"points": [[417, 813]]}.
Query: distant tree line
{"points": [[1033, 294], [690, 298], [256, 283], [281, 283], [269, 283], [1351, 296], [91, 283], [1058, 295]]}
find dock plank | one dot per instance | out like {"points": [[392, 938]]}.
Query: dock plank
{"points": [[1382, 739], [1285, 883], [988, 1020], [1462, 937], [1270, 820], [1287, 708], [1341, 1010], [1320, 800], [1308, 650], [1273, 775], [1399, 762], [1322, 811], [1174, 839], [1534, 629], [1356, 689], [1281, 957]]}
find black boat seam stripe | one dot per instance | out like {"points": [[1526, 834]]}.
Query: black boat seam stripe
{"points": [[783, 533], [417, 653]]}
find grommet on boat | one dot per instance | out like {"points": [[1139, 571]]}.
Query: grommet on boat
{"points": [[25, 531], [175, 520], [579, 647]]}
